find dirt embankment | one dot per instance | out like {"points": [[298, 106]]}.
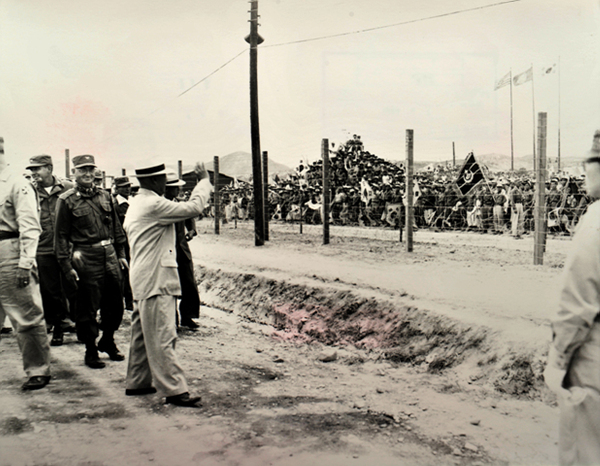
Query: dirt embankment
{"points": [[487, 351]]}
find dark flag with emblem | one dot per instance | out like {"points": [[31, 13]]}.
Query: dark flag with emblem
{"points": [[470, 174]]}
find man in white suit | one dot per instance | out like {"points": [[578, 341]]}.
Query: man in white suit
{"points": [[150, 228]]}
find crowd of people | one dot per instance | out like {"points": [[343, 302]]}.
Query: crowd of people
{"points": [[74, 256], [369, 191]]}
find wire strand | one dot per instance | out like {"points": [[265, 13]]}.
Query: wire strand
{"points": [[209, 75], [360, 31], [177, 96]]}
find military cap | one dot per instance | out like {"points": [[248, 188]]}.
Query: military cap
{"points": [[97, 174], [173, 180], [80, 161], [122, 181], [39, 161]]}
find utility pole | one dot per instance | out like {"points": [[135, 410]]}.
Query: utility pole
{"points": [[259, 214]]}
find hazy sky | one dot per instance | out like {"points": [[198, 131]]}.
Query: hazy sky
{"points": [[103, 77]]}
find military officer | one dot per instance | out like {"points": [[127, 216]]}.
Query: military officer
{"points": [[20, 297], [87, 218], [49, 187]]}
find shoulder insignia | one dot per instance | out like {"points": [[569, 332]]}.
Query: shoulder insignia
{"points": [[67, 193]]}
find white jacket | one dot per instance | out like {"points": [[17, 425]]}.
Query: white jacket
{"points": [[150, 227]]}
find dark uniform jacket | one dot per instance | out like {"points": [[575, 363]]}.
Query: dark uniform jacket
{"points": [[121, 207], [48, 203], [86, 219]]}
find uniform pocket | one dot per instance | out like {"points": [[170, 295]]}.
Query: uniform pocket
{"points": [[105, 206], [83, 217], [169, 259]]}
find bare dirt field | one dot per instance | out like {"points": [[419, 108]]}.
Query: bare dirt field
{"points": [[352, 353]]}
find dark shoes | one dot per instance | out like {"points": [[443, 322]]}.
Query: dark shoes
{"points": [[111, 349], [92, 359], [36, 382], [189, 323], [184, 400], [57, 339], [140, 391], [69, 328]]}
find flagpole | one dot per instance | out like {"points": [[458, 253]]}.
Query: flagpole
{"points": [[533, 104], [512, 144], [558, 159]]}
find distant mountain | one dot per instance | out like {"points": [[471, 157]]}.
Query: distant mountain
{"points": [[239, 165], [501, 162]]}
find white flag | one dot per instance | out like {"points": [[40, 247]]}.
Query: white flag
{"points": [[523, 77], [504, 81], [366, 192]]}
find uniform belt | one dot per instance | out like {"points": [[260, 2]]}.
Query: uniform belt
{"points": [[104, 242], [8, 235]]}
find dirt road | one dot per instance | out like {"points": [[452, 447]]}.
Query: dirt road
{"points": [[271, 399]]}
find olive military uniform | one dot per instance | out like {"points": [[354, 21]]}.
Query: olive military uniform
{"points": [[52, 281], [86, 217]]}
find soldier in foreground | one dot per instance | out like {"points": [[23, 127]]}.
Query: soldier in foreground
{"points": [[20, 297], [86, 217], [49, 187], [150, 227], [574, 356]]}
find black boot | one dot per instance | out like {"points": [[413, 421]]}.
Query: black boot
{"points": [[107, 345], [57, 336], [91, 357]]}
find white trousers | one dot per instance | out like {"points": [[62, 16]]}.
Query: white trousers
{"points": [[152, 358]]}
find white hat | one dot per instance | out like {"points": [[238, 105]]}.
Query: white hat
{"points": [[173, 180]]}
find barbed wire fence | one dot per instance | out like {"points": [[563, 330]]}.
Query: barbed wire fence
{"points": [[505, 205]]}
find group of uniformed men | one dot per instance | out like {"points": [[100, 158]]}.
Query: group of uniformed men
{"points": [[69, 238]]}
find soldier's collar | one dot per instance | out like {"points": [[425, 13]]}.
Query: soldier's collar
{"points": [[86, 192]]}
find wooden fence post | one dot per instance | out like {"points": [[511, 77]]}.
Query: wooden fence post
{"points": [[540, 193], [409, 190], [326, 194], [216, 196]]}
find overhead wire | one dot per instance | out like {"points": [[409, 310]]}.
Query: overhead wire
{"points": [[360, 31]]}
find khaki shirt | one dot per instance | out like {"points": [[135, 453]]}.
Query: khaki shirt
{"points": [[19, 213]]}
